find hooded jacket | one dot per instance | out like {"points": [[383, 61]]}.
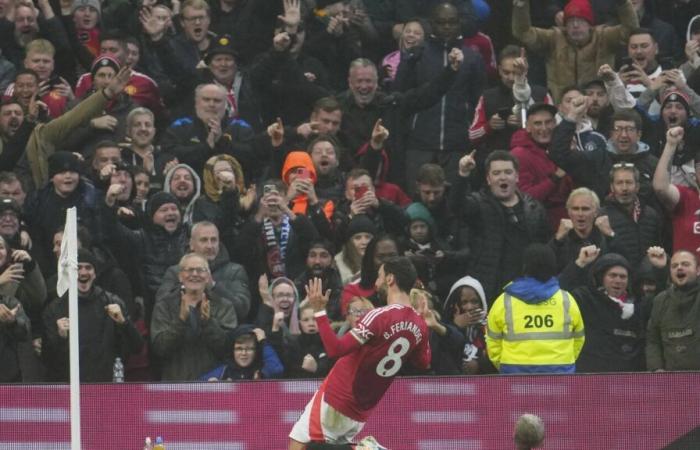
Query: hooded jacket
{"points": [[188, 209], [266, 363], [614, 343], [460, 344], [534, 327], [673, 332], [319, 214]]}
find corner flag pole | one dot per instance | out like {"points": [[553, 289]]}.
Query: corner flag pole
{"points": [[68, 281]]}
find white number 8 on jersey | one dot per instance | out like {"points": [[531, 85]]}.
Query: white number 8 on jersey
{"points": [[393, 358]]}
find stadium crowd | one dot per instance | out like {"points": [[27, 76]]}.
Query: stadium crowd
{"points": [[535, 159]]}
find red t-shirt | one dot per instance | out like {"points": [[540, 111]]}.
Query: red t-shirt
{"points": [[391, 336], [686, 220], [142, 89]]}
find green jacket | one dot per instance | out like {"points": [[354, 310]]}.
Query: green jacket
{"points": [[673, 332], [566, 64], [47, 137]]}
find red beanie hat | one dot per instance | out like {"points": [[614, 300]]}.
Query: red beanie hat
{"points": [[579, 8]]}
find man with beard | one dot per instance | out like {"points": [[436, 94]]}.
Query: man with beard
{"points": [[184, 183], [644, 68], [673, 328], [636, 225], [106, 330], [538, 175], [319, 264], [230, 281], [370, 356], [31, 23], [502, 220], [599, 108], [14, 133]]}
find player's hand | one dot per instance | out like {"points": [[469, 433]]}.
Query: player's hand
{"points": [[317, 299]]}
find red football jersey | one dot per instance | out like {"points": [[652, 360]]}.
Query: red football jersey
{"points": [[391, 336], [686, 220]]}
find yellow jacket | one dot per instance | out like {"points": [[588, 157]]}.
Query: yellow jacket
{"points": [[542, 336]]}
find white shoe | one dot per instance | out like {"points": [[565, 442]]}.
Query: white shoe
{"points": [[369, 443]]}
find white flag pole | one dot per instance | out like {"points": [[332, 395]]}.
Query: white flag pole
{"points": [[68, 279]]}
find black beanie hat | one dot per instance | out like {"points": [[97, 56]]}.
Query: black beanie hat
{"points": [[86, 256], [360, 224], [157, 200], [64, 162]]}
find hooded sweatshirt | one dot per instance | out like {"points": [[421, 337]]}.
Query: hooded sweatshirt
{"points": [[187, 210], [300, 203]]}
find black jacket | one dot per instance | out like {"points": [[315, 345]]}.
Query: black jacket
{"points": [[632, 239], [613, 344], [101, 339], [10, 335], [186, 139], [487, 220], [444, 125]]}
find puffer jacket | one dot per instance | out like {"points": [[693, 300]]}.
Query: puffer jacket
{"points": [[442, 125], [632, 238]]}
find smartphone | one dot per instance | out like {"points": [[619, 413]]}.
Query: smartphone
{"points": [[269, 188], [626, 64], [360, 191], [303, 172], [55, 80], [504, 113]]}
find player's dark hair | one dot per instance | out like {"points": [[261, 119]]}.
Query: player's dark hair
{"points": [[403, 271]]}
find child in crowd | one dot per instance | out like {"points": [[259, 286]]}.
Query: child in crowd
{"points": [[252, 358]]}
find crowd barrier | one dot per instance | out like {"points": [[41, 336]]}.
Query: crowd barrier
{"points": [[611, 412]]}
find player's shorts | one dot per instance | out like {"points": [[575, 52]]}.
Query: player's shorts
{"points": [[320, 422]]}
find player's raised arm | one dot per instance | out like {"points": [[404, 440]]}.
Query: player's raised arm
{"points": [[335, 347]]}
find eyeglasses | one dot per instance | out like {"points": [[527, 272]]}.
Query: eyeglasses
{"points": [[244, 349], [627, 130], [195, 270], [357, 312], [623, 166], [193, 19]]}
